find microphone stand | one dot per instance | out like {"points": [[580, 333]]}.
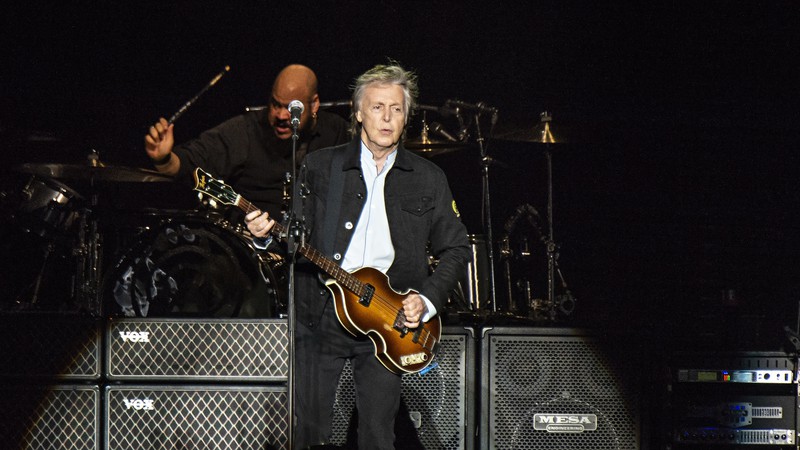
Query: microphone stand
{"points": [[293, 229]]}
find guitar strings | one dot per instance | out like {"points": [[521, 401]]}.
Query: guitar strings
{"points": [[382, 303]]}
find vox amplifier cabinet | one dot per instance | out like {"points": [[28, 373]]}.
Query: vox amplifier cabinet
{"points": [[197, 349], [741, 399], [50, 346], [195, 417], [36, 417], [437, 405], [560, 388]]}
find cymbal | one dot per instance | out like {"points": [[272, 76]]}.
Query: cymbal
{"points": [[541, 133], [428, 147], [114, 174]]}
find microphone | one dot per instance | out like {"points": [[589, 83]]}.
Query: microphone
{"points": [[479, 107], [437, 128], [296, 108]]}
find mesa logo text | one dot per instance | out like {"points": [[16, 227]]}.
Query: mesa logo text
{"points": [[565, 423]]}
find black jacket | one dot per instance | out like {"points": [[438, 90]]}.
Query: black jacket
{"points": [[423, 221]]}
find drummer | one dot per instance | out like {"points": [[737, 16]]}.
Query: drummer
{"points": [[253, 151]]}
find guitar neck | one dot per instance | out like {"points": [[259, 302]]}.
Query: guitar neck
{"points": [[343, 277]]}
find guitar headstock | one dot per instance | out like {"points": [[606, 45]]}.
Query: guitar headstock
{"points": [[216, 189]]}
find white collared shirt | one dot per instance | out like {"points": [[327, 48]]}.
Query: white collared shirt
{"points": [[371, 245]]}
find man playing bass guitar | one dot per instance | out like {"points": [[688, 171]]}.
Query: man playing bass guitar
{"points": [[370, 206]]}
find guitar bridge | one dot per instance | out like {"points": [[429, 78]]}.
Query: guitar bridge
{"points": [[366, 295], [417, 332]]}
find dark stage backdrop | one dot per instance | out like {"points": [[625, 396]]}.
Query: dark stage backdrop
{"points": [[675, 190]]}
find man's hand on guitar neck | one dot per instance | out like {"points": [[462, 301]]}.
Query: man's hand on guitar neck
{"points": [[259, 224]]}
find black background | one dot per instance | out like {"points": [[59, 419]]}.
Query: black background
{"points": [[676, 182]]}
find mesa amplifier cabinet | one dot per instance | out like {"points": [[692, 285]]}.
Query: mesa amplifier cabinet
{"points": [[63, 346], [733, 400], [34, 417], [560, 388], [437, 404], [147, 417], [197, 349]]}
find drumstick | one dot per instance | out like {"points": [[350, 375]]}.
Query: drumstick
{"points": [[194, 99]]}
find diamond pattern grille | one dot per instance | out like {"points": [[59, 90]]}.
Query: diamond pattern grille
{"points": [[49, 417], [436, 400], [194, 417], [570, 375], [183, 349], [43, 345]]}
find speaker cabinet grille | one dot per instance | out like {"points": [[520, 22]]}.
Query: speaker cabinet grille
{"points": [[197, 349], [50, 345], [561, 389], [49, 417], [438, 404], [196, 417]]}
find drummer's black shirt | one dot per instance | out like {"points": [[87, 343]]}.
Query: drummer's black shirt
{"points": [[245, 153]]}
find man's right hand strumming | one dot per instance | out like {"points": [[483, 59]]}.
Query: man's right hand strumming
{"points": [[158, 144]]}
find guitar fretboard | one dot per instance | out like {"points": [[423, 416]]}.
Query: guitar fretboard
{"points": [[343, 277]]}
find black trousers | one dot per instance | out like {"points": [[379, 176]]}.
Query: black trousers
{"points": [[320, 354]]}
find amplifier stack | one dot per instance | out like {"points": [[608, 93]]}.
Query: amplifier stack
{"points": [[50, 373], [76, 383], [219, 384]]}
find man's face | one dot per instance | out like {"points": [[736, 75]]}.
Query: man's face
{"points": [[382, 116], [279, 116]]}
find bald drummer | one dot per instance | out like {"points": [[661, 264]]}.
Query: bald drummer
{"points": [[252, 152]]}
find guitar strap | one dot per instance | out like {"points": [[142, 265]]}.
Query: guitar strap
{"points": [[332, 207]]}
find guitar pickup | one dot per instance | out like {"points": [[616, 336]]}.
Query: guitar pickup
{"points": [[366, 295], [399, 322]]}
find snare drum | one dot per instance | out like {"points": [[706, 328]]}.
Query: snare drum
{"points": [[194, 265], [46, 206]]}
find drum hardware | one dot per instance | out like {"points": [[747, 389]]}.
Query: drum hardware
{"points": [[48, 248], [426, 146], [486, 204], [88, 249], [47, 207], [94, 172], [542, 134], [468, 116], [89, 255]]}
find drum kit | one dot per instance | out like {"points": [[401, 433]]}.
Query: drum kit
{"points": [[92, 257], [98, 259], [529, 285]]}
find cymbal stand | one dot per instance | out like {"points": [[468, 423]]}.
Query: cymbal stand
{"points": [[549, 241], [486, 210], [550, 244], [36, 287], [88, 251]]}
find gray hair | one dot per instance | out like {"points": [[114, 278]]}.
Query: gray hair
{"points": [[391, 73]]}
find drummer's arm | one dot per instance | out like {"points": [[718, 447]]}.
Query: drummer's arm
{"points": [[169, 165], [158, 143]]}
